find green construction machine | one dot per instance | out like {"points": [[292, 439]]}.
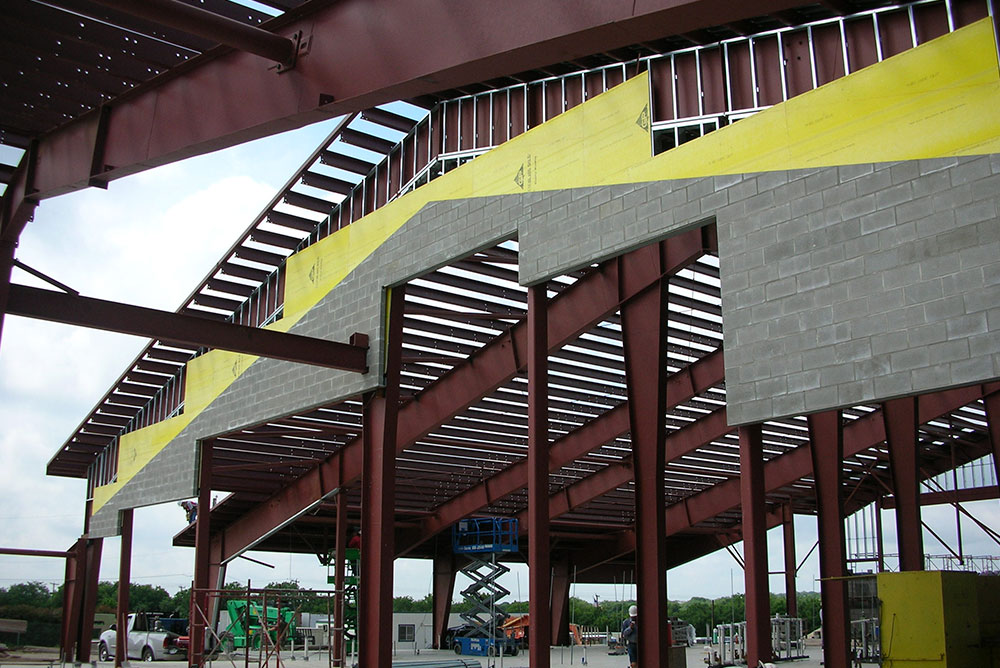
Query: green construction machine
{"points": [[250, 622]]}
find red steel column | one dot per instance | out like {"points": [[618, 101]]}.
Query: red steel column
{"points": [[561, 582], [444, 589], [644, 322], [755, 570], [378, 501], [788, 535], [72, 599], [539, 567], [124, 580], [338, 580], [992, 402], [826, 433], [202, 558], [900, 416], [93, 570]]}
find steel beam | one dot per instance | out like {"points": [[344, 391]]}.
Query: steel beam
{"points": [[91, 572], [360, 54], [562, 581], [203, 23], [444, 588], [339, 561], [791, 564], [539, 578], [644, 322], [965, 495], [681, 386], [185, 329], [73, 600], [755, 571], [22, 552], [378, 499], [124, 582], [202, 557], [992, 403], [826, 435], [900, 417], [574, 311]]}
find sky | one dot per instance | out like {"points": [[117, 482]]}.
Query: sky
{"points": [[148, 240]]}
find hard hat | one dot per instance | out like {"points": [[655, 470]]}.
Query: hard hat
{"points": [[633, 611]]}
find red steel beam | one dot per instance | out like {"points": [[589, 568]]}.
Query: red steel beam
{"points": [[562, 581], [360, 54], [791, 564], [859, 435], [6, 267], [378, 500], [444, 589], [124, 582], [900, 416], [339, 564], [73, 599], [826, 436], [203, 23], [755, 571], [644, 322], [574, 311], [23, 552], [992, 403], [185, 329], [539, 578], [202, 557]]}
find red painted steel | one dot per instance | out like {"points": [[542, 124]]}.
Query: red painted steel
{"points": [[186, 329], [900, 417], [562, 581], [791, 564], [16, 551], [346, 38], [539, 579], [574, 311], [644, 323], [378, 500], [72, 600], [755, 569], [340, 542], [992, 405], [197, 21], [124, 580], [444, 589], [202, 558], [91, 572], [826, 433]]}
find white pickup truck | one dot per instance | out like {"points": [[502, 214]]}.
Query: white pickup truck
{"points": [[147, 640]]}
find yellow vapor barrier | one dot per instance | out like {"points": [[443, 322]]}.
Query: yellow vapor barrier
{"points": [[595, 143], [939, 99]]}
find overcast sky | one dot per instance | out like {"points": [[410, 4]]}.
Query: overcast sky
{"points": [[148, 240]]}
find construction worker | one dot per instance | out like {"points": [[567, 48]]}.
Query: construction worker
{"points": [[630, 636]]}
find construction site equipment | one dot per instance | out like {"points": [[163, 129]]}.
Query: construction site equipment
{"points": [[481, 540], [250, 622]]}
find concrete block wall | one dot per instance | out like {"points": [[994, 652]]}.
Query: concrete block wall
{"points": [[857, 284], [840, 285]]}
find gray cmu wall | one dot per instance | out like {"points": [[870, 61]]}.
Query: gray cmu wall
{"points": [[853, 285], [840, 286]]}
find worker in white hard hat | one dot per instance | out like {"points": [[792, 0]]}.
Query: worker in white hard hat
{"points": [[630, 636]]}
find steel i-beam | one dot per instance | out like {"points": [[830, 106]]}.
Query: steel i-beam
{"points": [[124, 581], [539, 579], [644, 321], [826, 435], [900, 417], [758, 598]]}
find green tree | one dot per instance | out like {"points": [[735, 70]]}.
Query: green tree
{"points": [[34, 594]]}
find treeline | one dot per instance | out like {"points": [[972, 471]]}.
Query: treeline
{"points": [[42, 608], [702, 613]]}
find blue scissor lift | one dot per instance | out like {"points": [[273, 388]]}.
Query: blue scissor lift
{"points": [[481, 539]]}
